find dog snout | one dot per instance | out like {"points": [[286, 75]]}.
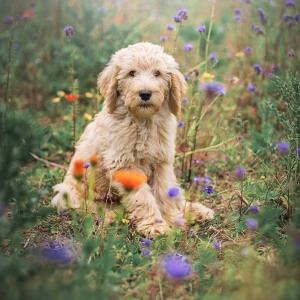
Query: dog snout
{"points": [[145, 95]]}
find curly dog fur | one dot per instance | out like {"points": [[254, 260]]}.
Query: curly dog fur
{"points": [[136, 130]]}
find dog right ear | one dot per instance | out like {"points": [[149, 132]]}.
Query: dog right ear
{"points": [[108, 85]]}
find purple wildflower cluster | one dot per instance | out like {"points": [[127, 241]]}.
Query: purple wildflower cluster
{"points": [[69, 30], [208, 189], [173, 192], [201, 28], [176, 266], [146, 243], [56, 253], [181, 15], [214, 88]]}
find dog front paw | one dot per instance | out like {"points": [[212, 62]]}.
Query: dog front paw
{"points": [[67, 197], [154, 230], [200, 212]]}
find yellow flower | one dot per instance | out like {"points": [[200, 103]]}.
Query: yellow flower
{"points": [[61, 93], [66, 118], [89, 95], [56, 100], [262, 177], [99, 97], [239, 54], [207, 77], [125, 221], [87, 117]]}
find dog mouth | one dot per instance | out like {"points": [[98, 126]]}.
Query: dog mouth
{"points": [[145, 105]]}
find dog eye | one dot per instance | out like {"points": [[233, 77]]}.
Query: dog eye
{"points": [[156, 73], [132, 73]]}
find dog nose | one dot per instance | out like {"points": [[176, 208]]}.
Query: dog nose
{"points": [[145, 95]]}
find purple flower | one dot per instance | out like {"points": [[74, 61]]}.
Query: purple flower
{"points": [[177, 19], [283, 147], [291, 53], [269, 75], [247, 51], [180, 124], [170, 27], [214, 88], [208, 189], [185, 100], [253, 27], [290, 3], [239, 138], [201, 28], [180, 221], [164, 38], [251, 224], [237, 19], [102, 8], [237, 11], [251, 88], [254, 208], [298, 151], [86, 165], [297, 18], [146, 252], [287, 18], [56, 253], [146, 242], [187, 78], [217, 245], [173, 192], [240, 172], [16, 46], [205, 180], [69, 30], [188, 47], [258, 68], [260, 12], [183, 14], [259, 30], [196, 180], [176, 266], [8, 20], [213, 57]]}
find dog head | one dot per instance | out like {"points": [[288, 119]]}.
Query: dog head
{"points": [[142, 78]]}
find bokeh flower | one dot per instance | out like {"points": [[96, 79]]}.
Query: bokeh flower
{"points": [[170, 27], [208, 189], [86, 165], [78, 169], [251, 223], [290, 3], [94, 159], [173, 192], [188, 47], [101, 8], [213, 88], [180, 124], [291, 53], [240, 172], [69, 30], [257, 68], [180, 221], [185, 100], [201, 28], [87, 117], [213, 57], [9, 20], [236, 19], [237, 11], [176, 266], [146, 242], [56, 253], [181, 15], [247, 51], [196, 180], [71, 97], [164, 38], [146, 252], [130, 179], [254, 208], [217, 245], [283, 147], [251, 88]]}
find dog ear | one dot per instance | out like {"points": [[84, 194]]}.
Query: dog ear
{"points": [[108, 85], [177, 91]]}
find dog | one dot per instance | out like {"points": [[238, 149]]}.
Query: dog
{"points": [[136, 130]]}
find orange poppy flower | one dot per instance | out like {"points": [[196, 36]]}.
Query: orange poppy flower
{"points": [[130, 179], [78, 169], [94, 159], [71, 97]]}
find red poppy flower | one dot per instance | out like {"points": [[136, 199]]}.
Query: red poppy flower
{"points": [[130, 179], [71, 97], [78, 169]]}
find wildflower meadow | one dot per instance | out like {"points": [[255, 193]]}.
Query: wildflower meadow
{"points": [[237, 151]]}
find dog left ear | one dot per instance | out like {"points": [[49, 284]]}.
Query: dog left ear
{"points": [[177, 92], [108, 84]]}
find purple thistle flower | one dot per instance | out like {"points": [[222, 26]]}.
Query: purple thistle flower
{"points": [[259, 30], [247, 51], [146, 242], [258, 68], [251, 88], [208, 189], [254, 208], [69, 30], [201, 28], [290, 3], [237, 19], [237, 11], [298, 151], [269, 75], [253, 27], [56, 253], [283, 147], [164, 38], [183, 14], [291, 53], [86, 165], [173, 192], [213, 57], [146, 252], [187, 78], [217, 245], [260, 12], [205, 180], [177, 19], [176, 266], [251, 224], [287, 18], [263, 19], [170, 27], [188, 47], [240, 172], [297, 18], [214, 88], [185, 100], [180, 124]]}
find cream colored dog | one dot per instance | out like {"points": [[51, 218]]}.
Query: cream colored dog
{"points": [[136, 130]]}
